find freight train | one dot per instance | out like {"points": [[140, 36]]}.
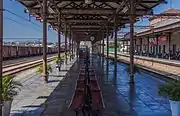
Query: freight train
{"points": [[10, 52]]}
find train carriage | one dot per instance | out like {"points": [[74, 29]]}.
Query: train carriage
{"points": [[25, 51]]}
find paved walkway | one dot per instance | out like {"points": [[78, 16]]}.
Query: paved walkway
{"points": [[120, 98], [31, 100]]}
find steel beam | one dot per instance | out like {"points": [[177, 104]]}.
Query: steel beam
{"points": [[1, 52], [45, 40]]}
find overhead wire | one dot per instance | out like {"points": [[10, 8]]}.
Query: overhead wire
{"points": [[8, 18], [25, 19]]}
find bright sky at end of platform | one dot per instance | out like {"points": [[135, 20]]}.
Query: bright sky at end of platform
{"points": [[15, 27]]}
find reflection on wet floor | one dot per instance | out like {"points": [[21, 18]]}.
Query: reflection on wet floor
{"points": [[123, 99]]}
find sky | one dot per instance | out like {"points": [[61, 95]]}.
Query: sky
{"points": [[15, 27]]}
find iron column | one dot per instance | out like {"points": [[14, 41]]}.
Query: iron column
{"points": [[169, 44], [66, 44], [107, 42], [45, 40], [148, 45], [115, 52], [70, 43], [102, 49], [107, 50], [132, 13], [1, 51], [59, 39]]}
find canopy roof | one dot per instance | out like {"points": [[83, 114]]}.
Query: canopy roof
{"points": [[87, 20]]}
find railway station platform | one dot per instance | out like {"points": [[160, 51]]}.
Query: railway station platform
{"points": [[120, 99], [165, 67]]}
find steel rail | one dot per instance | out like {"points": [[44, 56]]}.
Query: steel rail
{"points": [[24, 66]]}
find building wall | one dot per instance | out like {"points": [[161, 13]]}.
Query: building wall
{"points": [[175, 41]]}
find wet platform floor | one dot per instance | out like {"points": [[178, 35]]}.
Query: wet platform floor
{"points": [[123, 99], [120, 98]]}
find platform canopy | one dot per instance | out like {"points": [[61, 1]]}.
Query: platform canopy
{"points": [[88, 18]]}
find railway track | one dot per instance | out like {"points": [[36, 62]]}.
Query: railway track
{"points": [[21, 66]]}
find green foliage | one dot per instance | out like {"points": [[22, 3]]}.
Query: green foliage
{"points": [[40, 69], [10, 88], [170, 90], [56, 61], [111, 46], [136, 69]]}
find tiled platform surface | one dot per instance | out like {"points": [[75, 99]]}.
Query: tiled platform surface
{"points": [[120, 98], [123, 99], [31, 100]]}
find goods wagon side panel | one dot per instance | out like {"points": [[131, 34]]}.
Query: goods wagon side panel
{"points": [[14, 51], [5, 52]]}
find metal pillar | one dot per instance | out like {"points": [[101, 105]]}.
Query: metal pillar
{"points": [[100, 42], [169, 44], [59, 39], [1, 51], [107, 50], [115, 44], [66, 43], [70, 44], [77, 50], [107, 42], [115, 52], [103, 50], [135, 42], [103, 45], [141, 46], [45, 40], [132, 13], [148, 46], [157, 45]]}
